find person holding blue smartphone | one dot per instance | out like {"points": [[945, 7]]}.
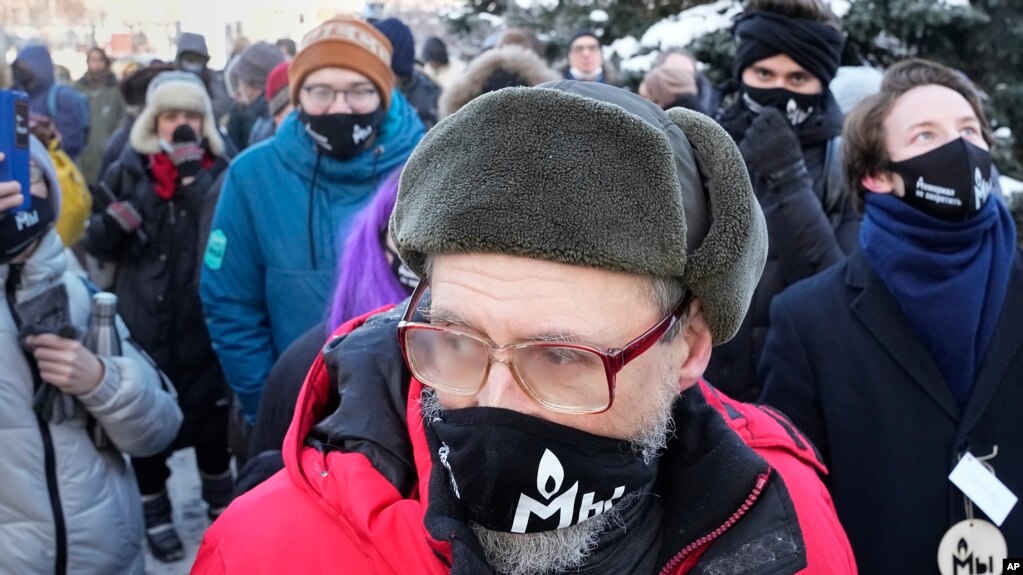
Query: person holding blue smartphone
{"points": [[75, 505]]}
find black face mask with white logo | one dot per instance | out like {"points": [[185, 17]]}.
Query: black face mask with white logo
{"points": [[951, 182], [19, 229], [405, 276], [796, 107], [516, 473], [342, 136]]}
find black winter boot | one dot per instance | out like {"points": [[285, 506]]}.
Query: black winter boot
{"points": [[161, 536], [216, 492]]}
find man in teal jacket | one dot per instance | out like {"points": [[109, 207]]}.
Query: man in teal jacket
{"points": [[286, 204]]}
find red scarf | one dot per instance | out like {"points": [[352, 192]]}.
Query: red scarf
{"points": [[165, 174]]}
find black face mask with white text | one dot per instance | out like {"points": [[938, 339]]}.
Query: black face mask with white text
{"points": [[19, 229], [342, 136], [405, 276], [951, 182], [515, 473], [796, 107]]}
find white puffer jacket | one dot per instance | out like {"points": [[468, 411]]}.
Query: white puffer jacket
{"points": [[94, 492]]}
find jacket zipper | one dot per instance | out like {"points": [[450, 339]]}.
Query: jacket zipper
{"points": [[60, 529], [49, 455], [710, 537]]}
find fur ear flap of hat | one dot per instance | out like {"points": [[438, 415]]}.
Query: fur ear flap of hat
{"points": [[726, 267], [174, 90], [589, 175], [512, 59]]}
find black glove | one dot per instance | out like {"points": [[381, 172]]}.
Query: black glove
{"points": [[122, 215], [771, 148], [186, 152]]}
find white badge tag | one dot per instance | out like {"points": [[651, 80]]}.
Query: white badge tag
{"points": [[983, 488], [972, 546]]}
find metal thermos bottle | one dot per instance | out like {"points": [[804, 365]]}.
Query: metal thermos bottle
{"points": [[102, 338]]}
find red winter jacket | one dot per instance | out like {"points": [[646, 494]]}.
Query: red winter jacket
{"points": [[331, 511]]}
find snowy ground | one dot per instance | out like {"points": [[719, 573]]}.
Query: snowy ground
{"points": [[189, 513]]}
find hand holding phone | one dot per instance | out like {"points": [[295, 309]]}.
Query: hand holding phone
{"points": [[14, 148], [10, 193]]}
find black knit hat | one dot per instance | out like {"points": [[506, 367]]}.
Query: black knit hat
{"points": [[588, 175], [815, 46], [404, 57], [435, 52], [133, 88], [580, 34]]}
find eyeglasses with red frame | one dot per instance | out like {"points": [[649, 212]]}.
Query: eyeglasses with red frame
{"points": [[561, 376]]}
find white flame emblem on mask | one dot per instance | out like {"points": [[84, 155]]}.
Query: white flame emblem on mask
{"points": [[981, 188], [550, 470], [795, 114]]}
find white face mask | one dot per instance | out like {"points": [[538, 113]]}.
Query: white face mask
{"points": [[193, 67]]}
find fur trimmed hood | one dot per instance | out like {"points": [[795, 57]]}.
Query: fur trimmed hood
{"points": [[174, 90], [511, 59]]}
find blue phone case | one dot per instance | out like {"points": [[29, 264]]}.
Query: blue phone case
{"points": [[14, 143]]}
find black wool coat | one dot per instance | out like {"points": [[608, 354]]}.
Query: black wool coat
{"points": [[157, 282], [811, 226], [842, 361]]}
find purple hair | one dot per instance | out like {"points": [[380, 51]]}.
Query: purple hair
{"points": [[365, 280]]}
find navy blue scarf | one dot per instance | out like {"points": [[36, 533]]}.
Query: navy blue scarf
{"points": [[948, 278]]}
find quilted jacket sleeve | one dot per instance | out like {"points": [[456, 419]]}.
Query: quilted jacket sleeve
{"points": [[136, 407]]}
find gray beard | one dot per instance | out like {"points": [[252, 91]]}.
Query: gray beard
{"points": [[559, 550], [553, 551]]}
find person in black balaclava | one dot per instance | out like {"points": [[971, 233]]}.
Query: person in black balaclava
{"points": [[786, 124]]}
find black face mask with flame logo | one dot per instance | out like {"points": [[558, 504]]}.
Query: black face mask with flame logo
{"points": [[516, 473], [796, 107]]}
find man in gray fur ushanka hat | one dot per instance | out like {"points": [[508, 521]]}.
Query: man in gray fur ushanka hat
{"points": [[580, 253]]}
